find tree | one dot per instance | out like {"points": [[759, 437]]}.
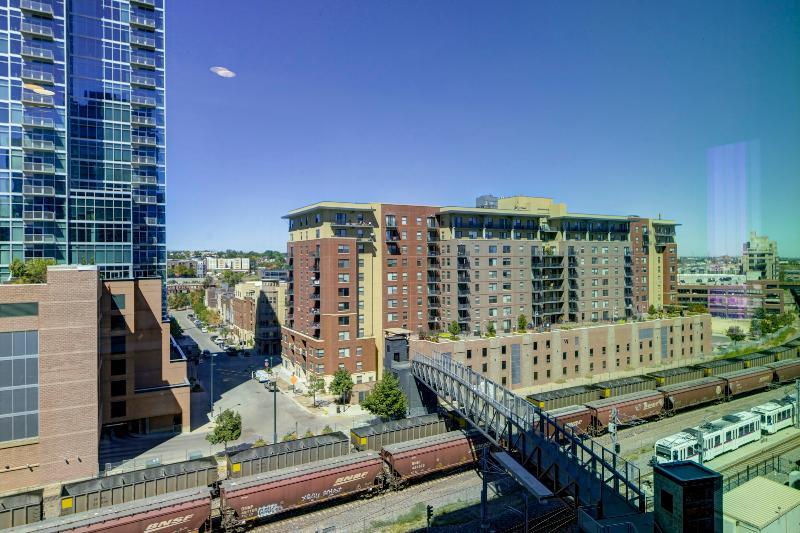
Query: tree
{"points": [[315, 384], [760, 314], [181, 271], [490, 331], [651, 310], [342, 384], [697, 308], [175, 329], [232, 277], [227, 428], [31, 271], [178, 300], [735, 334], [522, 323], [755, 328], [454, 329], [387, 399]]}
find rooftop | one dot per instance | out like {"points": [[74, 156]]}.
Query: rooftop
{"points": [[759, 502], [686, 471]]}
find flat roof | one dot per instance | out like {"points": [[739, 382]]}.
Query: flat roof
{"points": [[760, 502], [686, 471]]}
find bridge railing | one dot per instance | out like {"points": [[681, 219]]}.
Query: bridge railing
{"points": [[615, 472]]}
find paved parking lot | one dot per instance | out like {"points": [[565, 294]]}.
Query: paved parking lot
{"points": [[234, 388]]}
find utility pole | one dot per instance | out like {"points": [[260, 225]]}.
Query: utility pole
{"points": [[213, 356], [484, 489], [275, 410], [612, 430], [797, 403]]}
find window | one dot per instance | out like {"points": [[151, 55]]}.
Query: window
{"points": [[344, 320], [118, 367], [117, 322], [344, 263], [118, 388], [469, 354], [484, 367], [344, 278], [118, 409], [344, 352], [666, 501], [118, 344], [343, 249], [344, 335], [19, 385], [19, 309]]}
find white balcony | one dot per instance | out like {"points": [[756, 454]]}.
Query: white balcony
{"points": [[41, 54], [36, 122], [143, 42], [38, 76], [143, 101], [144, 180], [38, 144], [143, 81], [148, 3], [143, 140], [38, 190], [37, 30], [142, 121], [142, 61], [38, 8], [40, 100], [144, 199], [41, 238], [38, 168], [143, 22], [38, 215], [143, 160]]}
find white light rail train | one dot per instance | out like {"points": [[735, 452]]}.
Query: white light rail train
{"points": [[728, 433]]}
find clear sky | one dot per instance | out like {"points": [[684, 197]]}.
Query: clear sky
{"points": [[615, 107]]}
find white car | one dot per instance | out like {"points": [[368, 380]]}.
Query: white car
{"points": [[204, 329]]}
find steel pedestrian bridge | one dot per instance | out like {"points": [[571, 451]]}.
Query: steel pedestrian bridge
{"points": [[566, 462]]}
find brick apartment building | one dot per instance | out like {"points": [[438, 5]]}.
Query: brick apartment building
{"points": [[258, 310], [78, 356], [531, 359], [358, 269]]}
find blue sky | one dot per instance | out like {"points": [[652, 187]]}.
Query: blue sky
{"points": [[611, 107]]}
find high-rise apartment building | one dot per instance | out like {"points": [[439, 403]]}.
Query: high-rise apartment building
{"points": [[83, 178], [760, 258], [360, 269]]}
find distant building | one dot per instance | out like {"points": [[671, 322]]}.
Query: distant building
{"points": [[730, 296], [760, 258], [687, 498], [259, 309], [80, 356], [237, 264], [187, 285], [280, 275], [761, 506]]}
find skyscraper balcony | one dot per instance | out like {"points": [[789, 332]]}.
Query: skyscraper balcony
{"points": [[37, 76], [39, 100], [38, 144], [38, 8], [37, 30], [142, 22], [40, 54], [142, 61]]}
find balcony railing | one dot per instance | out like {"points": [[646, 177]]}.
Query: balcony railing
{"points": [[144, 81], [143, 160], [142, 22], [38, 215], [38, 190], [148, 3], [43, 32], [143, 101], [38, 144], [143, 139], [142, 61], [41, 238], [38, 99], [37, 76], [144, 180], [142, 121], [144, 199], [36, 122], [42, 54], [39, 8], [144, 42], [39, 168]]}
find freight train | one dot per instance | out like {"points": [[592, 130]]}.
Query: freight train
{"points": [[261, 482], [588, 408], [728, 433]]}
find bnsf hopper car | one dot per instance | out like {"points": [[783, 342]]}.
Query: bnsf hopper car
{"points": [[715, 368], [787, 370], [696, 392], [631, 408], [285, 454], [578, 417], [756, 359], [375, 436], [672, 376], [420, 457], [20, 509], [618, 387], [176, 512], [747, 380], [129, 486], [782, 353], [253, 497], [564, 397]]}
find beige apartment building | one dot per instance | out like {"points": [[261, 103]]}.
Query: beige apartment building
{"points": [[760, 258], [79, 356], [520, 361], [358, 269], [259, 308], [239, 264]]}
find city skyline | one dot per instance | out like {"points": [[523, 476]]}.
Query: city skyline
{"points": [[345, 106]]}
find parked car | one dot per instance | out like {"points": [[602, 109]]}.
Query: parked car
{"points": [[204, 329]]}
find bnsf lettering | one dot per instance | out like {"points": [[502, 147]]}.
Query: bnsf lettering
{"points": [[157, 526], [348, 479]]}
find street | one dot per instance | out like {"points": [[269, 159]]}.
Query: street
{"points": [[234, 388]]}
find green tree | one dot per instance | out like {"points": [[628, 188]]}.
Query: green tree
{"points": [[490, 331], [697, 308], [227, 428], [387, 399], [651, 310], [178, 300], [342, 384], [760, 314], [735, 334], [454, 329], [315, 385], [522, 323], [181, 271], [31, 271], [175, 329], [17, 268], [232, 278]]}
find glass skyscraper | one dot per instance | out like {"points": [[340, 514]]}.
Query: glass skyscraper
{"points": [[82, 138]]}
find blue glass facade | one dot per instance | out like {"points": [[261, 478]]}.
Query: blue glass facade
{"points": [[82, 168]]}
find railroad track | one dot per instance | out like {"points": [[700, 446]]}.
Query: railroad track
{"points": [[765, 453]]}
